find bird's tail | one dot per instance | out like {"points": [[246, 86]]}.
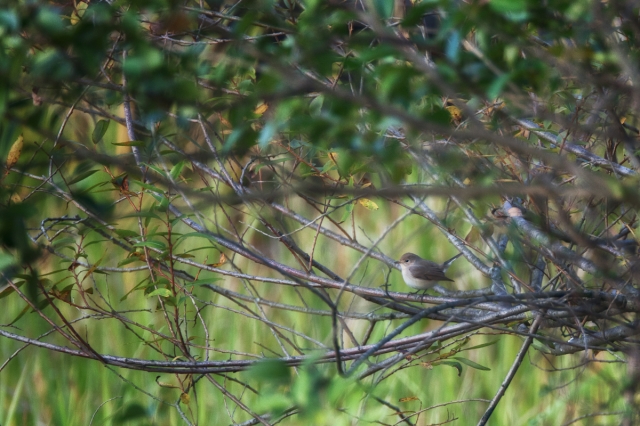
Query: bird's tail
{"points": [[450, 261]]}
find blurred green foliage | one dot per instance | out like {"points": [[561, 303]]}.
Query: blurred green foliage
{"points": [[315, 105]]}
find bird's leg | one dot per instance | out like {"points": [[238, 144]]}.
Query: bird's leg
{"points": [[417, 292], [424, 293]]}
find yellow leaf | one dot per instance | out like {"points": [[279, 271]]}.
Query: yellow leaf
{"points": [[473, 235], [221, 261], [456, 114], [166, 385], [14, 153], [185, 398], [260, 109], [368, 204], [409, 398], [78, 13], [225, 122]]}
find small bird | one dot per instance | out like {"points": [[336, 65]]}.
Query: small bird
{"points": [[423, 274]]}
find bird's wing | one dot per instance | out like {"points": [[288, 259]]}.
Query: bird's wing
{"points": [[431, 272]]}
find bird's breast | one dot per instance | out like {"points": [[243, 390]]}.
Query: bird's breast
{"points": [[413, 282]]}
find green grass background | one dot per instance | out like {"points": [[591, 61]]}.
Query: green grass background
{"points": [[38, 387]]}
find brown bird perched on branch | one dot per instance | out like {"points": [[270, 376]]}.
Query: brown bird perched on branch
{"points": [[423, 274]]}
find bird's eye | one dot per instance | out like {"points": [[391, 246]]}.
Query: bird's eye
{"points": [[406, 260]]}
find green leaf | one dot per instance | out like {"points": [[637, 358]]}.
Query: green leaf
{"points": [[39, 306], [315, 107], [131, 412], [196, 234], [94, 188], [267, 133], [153, 189], [508, 6], [170, 301], [162, 292], [20, 314], [159, 170], [177, 169], [453, 46], [162, 281], [90, 243], [413, 15], [144, 214], [270, 371], [129, 260], [471, 364], [328, 166], [542, 346], [347, 212], [275, 402], [496, 86], [8, 289], [143, 62], [482, 345], [6, 260], [63, 241], [453, 364], [126, 233], [202, 281], [384, 8], [81, 176], [9, 20], [130, 143], [99, 130], [142, 285], [152, 244]]}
